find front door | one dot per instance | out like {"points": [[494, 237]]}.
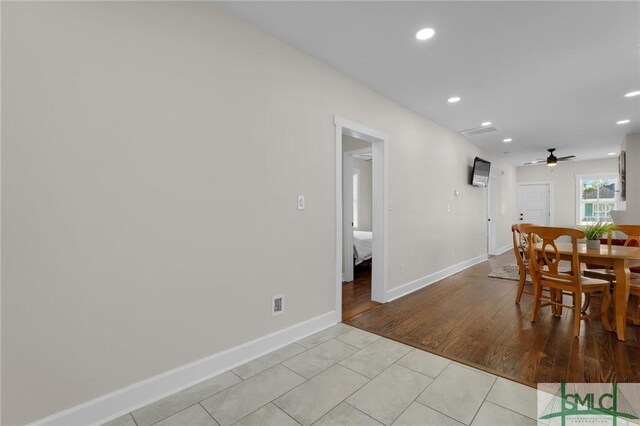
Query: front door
{"points": [[533, 204]]}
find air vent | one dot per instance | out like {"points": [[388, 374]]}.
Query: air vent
{"points": [[478, 130]]}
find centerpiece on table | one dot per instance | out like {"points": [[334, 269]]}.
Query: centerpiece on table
{"points": [[595, 231]]}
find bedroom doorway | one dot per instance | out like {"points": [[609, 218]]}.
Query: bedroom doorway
{"points": [[357, 210], [360, 224]]}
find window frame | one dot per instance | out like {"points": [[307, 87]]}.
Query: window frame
{"points": [[613, 175]]}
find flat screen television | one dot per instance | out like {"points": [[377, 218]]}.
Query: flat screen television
{"points": [[480, 174]]}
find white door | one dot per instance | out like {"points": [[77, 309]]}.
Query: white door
{"points": [[533, 204]]}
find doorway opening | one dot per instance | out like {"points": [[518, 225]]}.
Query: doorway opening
{"points": [[357, 210], [360, 218]]}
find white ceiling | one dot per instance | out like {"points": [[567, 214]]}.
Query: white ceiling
{"points": [[547, 74]]}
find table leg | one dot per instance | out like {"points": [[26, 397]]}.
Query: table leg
{"points": [[621, 297]]}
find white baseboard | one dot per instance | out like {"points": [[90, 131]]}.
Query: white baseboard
{"points": [[130, 398], [503, 249], [412, 286]]}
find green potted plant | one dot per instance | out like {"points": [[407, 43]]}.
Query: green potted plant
{"points": [[595, 231]]}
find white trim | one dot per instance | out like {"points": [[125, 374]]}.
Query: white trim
{"points": [[599, 175], [503, 249], [130, 398], [347, 219], [412, 286], [491, 212], [552, 211], [359, 151], [380, 186]]}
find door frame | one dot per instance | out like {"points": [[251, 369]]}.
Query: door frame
{"points": [[379, 144], [491, 213], [347, 212], [552, 215]]}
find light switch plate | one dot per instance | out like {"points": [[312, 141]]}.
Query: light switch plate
{"points": [[300, 202]]}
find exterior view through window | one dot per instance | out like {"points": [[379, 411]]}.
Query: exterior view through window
{"points": [[597, 197]]}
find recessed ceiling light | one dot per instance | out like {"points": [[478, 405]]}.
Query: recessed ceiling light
{"points": [[454, 99], [623, 122], [632, 94], [425, 34], [507, 140], [611, 153], [485, 124]]}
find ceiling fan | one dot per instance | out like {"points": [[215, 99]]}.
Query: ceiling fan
{"points": [[551, 160]]}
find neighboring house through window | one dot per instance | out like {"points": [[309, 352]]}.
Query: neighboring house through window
{"points": [[596, 197]]}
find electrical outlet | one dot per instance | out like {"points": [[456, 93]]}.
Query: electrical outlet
{"points": [[300, 202], [277, 305]]}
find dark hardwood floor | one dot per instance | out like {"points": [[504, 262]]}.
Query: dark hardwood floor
{"points": [[473, 319], [356, 295]]}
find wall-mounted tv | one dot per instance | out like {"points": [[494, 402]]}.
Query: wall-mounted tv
{"points": [[480, 174]]}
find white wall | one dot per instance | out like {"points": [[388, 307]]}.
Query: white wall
{"points": [[365, 194], [563, 177], [631, 144], [151, 158]]}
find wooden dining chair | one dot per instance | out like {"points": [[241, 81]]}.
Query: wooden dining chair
{"points": [[520, 232], [632, 233], [543, 264]]}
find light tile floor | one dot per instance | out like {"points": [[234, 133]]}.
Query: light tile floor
{"points": [[345, 376]]}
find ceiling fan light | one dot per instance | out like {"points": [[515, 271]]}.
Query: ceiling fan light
{"points": [[552, 160]]}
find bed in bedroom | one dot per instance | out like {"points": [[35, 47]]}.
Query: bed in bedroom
{"points": [[362, 246]]}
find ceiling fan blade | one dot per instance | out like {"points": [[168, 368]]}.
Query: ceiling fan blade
{"points": [[535, 162], [568, 157]]}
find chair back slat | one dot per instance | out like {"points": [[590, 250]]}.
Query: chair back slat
{"points": [[520, 233], [632, 232], [544, 262]]}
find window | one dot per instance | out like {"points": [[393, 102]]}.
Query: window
{"points": [[355, 198], [597, 196]]}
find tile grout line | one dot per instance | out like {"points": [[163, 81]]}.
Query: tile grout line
{"points": [[332, 337], [133, 418], [173, 414], [484, 400], [344, 399], [356, 372], [419, 393], [284, 360], [357, 409], [210, 415], [508, 409], [306, 380], [436, 410], [389, 366], [431, 408], [198, 402], [317, 374]]}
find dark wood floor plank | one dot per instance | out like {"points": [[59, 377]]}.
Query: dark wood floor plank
{"points": [[472, 318], [356, 295]]}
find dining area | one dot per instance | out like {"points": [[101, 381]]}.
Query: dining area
{"points": [[561, 272]]}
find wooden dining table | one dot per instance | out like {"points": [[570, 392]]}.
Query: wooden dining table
{"points": [[618, 258]]}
